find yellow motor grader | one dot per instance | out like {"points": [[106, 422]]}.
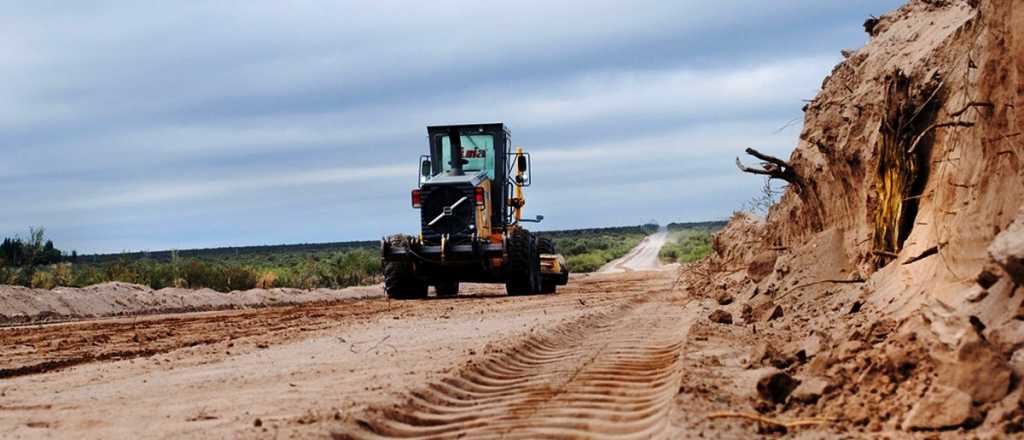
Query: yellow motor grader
{"points": [[470, 198]]}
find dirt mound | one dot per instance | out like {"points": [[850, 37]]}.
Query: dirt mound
{"points": [[896, 258], [21, 305]]}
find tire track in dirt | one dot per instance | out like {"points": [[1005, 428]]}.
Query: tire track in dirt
{"points": [[611, 374]]}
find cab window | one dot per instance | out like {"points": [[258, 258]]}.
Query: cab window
{"points": [[477, 150]]}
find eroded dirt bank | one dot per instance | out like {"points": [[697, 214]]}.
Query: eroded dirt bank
{"points": [[882, 294]]}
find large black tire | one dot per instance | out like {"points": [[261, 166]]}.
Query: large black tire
{"points": [[523, 271], [546, 246], [400, 280], [450, 288]]}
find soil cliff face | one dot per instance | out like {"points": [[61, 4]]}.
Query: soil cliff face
{"points": [[898, 250]]}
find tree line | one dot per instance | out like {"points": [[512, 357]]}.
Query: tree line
{"points": [[33, 251]]}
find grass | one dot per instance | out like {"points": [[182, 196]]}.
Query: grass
{"points": [[688, 242]]}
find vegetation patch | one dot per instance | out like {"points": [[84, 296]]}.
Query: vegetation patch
{"points": [[688, 242], [35, 262], [586, 250]]}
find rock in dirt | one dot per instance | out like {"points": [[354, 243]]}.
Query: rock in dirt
{"points": [[942, 408], [762, 352], [765, 353], [776, 313], [747, 313], [1017, 361], [810, 346], [855, 308], [724, 299], [762, 265], [810, 390], [775, 385], [1007, 249], [979, 370], [987, 278], [721, 316]]}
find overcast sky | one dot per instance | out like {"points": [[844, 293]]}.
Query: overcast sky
{"points": [[131, 125]]}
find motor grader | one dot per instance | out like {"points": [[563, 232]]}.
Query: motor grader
{"points": [[470, 200]]}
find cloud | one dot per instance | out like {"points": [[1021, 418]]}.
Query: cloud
{"points": [[146, 126]]}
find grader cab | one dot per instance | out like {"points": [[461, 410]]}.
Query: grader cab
{"points": [[470, 198]]}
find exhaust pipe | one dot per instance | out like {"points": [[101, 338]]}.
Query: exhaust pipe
{"points": [[456, 144]]}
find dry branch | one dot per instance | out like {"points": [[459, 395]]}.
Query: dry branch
{"points": [[772, 167]]}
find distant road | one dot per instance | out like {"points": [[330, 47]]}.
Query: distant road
{"points": [[643, 257]]}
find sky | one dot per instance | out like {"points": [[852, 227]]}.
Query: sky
{"points": [[140, 125]]}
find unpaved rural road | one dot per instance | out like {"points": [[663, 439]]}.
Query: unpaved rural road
{"points": [[608, 356], [643, 257]]}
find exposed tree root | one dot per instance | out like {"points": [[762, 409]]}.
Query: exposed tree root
{"points": [[772, 167]]}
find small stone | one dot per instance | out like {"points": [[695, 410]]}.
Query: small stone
{"points": [[257, 423], [776, 314], [986, 278], [810, 345], [747, 313], [941, 408], [721, 316], [978, 359], [775, 385], [856, 307], [1017, 362], [759, 354], [810, 390], [724, 299], [762, 266]]}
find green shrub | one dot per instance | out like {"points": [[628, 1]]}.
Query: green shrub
{"points": [[42, 280], [63, 274], [586, 262], [687, 246]]}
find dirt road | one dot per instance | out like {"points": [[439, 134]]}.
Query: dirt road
{"points": [[643, 257], [608, 356]]}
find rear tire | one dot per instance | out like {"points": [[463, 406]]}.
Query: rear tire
{"points": [[523, 272], [448, 289], [400, 281]]}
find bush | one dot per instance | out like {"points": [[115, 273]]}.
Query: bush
{"points": [[63, 275], [687, 246], [586, 262], [42, 280]]}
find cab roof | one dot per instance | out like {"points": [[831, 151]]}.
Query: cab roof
{"points": [[493, 126]]}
